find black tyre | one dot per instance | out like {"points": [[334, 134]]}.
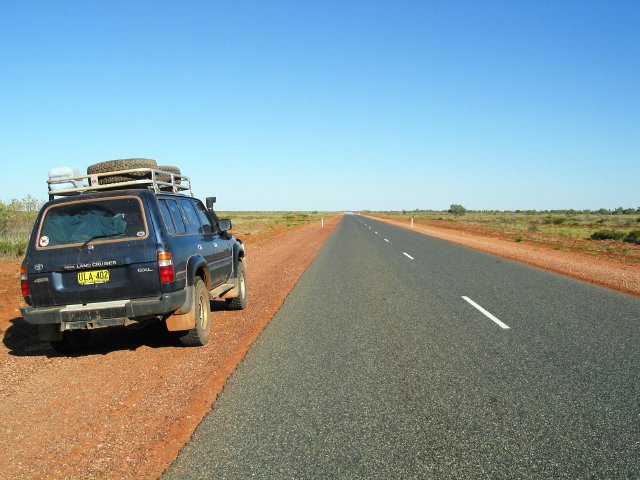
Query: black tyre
{"points": [[199, 335], [240, 302], [123, 164], [72, 341]]}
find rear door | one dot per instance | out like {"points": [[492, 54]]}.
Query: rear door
{"points": [[93, 250]]}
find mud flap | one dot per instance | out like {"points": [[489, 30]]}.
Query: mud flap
{"points": [[185, 317], [181, 321]]}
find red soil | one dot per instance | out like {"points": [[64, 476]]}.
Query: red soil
{"points": [[126, 407]]}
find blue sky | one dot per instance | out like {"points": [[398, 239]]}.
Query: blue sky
{"points": [[332, 105]]}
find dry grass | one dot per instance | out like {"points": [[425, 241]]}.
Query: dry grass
{"points": [[251, 223], [15, 228], [557, 230]]}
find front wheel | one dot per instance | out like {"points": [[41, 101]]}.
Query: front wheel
{"points": [[199, 336], [240, 302]]}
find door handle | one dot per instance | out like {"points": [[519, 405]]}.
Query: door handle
{"points": [[199, 247]]}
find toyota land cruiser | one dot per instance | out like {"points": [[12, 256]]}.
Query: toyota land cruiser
{"points": [[126, 246]]}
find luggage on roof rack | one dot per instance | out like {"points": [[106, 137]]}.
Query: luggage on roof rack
{"points": [[64, 174], [65, 182]]}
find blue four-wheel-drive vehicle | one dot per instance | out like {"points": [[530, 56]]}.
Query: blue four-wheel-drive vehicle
{"points": [[124, 245]]}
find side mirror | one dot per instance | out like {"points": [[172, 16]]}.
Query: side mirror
{"points": [[210, 202], [225, 225]]}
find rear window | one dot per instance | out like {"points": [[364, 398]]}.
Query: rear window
{"points": [[177, 217], [166, 215], [109, 219]]}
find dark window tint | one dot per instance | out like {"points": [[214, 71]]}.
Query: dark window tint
{"points": [[192, 216], [166, 215], [73, 223], [178, 216], [204, 219]]}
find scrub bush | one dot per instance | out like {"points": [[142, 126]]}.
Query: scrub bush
{"points": [[607, 235], [633, 237]]}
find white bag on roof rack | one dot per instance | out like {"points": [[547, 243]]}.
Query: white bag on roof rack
{"points": [[68, 173]]}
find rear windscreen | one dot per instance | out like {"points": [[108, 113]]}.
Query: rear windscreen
{"points": [[99, 220]]}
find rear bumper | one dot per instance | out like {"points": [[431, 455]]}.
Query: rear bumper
{"points": [[105, 314]]}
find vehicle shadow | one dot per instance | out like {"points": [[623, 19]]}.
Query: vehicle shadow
{"points": [[21, 339]]}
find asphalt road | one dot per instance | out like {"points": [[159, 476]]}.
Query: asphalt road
{"points": [[377, 367]]}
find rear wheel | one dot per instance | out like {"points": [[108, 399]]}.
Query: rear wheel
{"points": [[199, 336], [73, 341], [240, 302]]}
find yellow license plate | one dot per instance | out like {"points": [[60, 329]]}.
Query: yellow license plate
{"points": [[91, 277]]}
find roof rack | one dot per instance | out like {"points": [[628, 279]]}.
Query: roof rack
{"points": [[132, 178]]}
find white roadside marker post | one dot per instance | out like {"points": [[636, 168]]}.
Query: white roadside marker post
{"points": [[322, 222], [411, 222]]}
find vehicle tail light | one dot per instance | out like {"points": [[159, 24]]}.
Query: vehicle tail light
{"points": [[165, 267], [24, 281]]}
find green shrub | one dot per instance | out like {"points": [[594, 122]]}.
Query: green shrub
{"points": [[633, 237], [607, 235], [457, 209], [549, 220], [13, 249]]}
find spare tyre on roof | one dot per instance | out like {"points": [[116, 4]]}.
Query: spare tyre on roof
{"points": [[122, 164], [163, 177]]}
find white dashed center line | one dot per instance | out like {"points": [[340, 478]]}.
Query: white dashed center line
{"points": [[486, 314], [408, 256], [386, 240]]}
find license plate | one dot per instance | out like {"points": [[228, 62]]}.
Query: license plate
{"points": [[91, 277]]}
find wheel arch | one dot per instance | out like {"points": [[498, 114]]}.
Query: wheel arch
{"points": [[197, 267], [238, 255]]}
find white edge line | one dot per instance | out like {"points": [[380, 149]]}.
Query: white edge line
{"points": [[486, 314], [408, 256]]}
